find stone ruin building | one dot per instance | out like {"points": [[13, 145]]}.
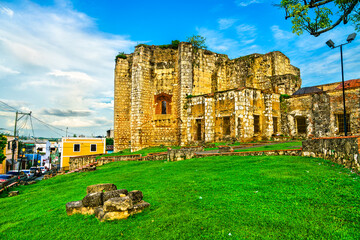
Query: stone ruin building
{"points": [[183, 96]]}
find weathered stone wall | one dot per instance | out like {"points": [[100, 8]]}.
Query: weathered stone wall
{"points": [[152, 75], [122, 103], [229, 115], [320, 110], [341, 150], [81, 161]]}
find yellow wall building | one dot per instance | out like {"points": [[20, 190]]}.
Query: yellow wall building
{"points": [[72, 147]]}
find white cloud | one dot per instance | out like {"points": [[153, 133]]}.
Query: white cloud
{"points": [[246, 33], [244, 3], [226, 23], [6, 11], [216, 41], [280, 34], [64, 61], [7, 70]]}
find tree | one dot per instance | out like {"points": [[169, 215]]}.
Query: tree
{"points": [[197, 41], [317, 17], [3, 142]]}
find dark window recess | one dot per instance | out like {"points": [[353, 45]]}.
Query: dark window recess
{"points": [[275, 124], [76, 147], [301, 124], [340, 122], [198, 129], [93, 147], [163, 107], [256, 124], [9, 146], [226, 125]]}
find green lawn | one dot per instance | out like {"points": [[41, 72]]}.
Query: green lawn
{"points": [[143, 152], [263, 197], [279, 146]]}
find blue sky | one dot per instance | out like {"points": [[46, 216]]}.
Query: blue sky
{"points": [[57, 57]]}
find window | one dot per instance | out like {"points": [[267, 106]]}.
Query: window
{"points": [[256, 124], [93, 148], [163, 107], [162, 103], [226, 125], [340, 122], [9, 146], [76, 147], [198, 129], [275, 124], [301, 124]]}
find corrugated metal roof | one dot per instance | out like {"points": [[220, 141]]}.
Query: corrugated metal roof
{"points": [[307, 90], [349, 84]]}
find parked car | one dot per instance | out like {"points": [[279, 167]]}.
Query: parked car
{"points": [[37, 170], [5, 177], [43, 170], [28, 172], [16, 173]]}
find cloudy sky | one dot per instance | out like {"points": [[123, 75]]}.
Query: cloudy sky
{"points": [[57, 56]]}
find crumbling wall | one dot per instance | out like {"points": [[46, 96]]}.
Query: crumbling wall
{"points": [[154, 74]]}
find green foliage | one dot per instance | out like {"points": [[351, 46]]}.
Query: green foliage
{"points": [[284, 96], [109, 141], [197, 41], [3, 141], [120, 55], [269, 197], [317, 17], [174, 45]]}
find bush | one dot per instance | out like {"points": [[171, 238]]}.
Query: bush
{"points": [[120, 55]]}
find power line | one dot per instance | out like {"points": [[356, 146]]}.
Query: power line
{"points": [[14, 109]]}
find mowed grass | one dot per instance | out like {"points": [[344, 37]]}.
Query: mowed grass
{"points": [[277, 197], [276, 146]]}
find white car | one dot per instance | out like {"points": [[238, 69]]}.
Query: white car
{"points": [[43, 170], [28, 172]]}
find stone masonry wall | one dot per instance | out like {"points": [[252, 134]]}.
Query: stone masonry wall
{"points": [[152, 73], [320, 110], [341, 150]]}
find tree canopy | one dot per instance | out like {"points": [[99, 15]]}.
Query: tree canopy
{"points": [[319, 16], [197, 41], [2, 147]]}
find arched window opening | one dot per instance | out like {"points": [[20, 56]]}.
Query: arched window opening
{"points": [[163, 107]]}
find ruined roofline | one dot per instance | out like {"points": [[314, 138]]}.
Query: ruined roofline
{"points": [[322, 92], [206, 51]]}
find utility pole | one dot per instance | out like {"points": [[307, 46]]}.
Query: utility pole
{"points": [[15, 131]]}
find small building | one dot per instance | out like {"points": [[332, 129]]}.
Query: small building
{"points": [[72, 147], [8, 151]]}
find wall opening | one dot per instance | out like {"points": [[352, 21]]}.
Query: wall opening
{"points": [[226, 126], [163, 107], [275, 124], [301, 124], [198, 130], [340, 122], [256, 124]]}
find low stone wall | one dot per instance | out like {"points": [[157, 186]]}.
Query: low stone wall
{"points": [[289, 152], [81, 161], [341, 150], [183, 153]]}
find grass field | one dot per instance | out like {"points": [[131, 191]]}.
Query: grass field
{"points": [[276, 146], [277, 197]]}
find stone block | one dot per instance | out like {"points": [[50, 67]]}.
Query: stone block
{"points": [[109, 216], [101, 188], [13, 193], [118, 204], [136, 196], [114, 194], [78, 207], [137, 208], [93, 199]]}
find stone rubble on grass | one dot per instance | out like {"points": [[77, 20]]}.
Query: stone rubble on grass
{"points": [[13, 193], [108, 203]]}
